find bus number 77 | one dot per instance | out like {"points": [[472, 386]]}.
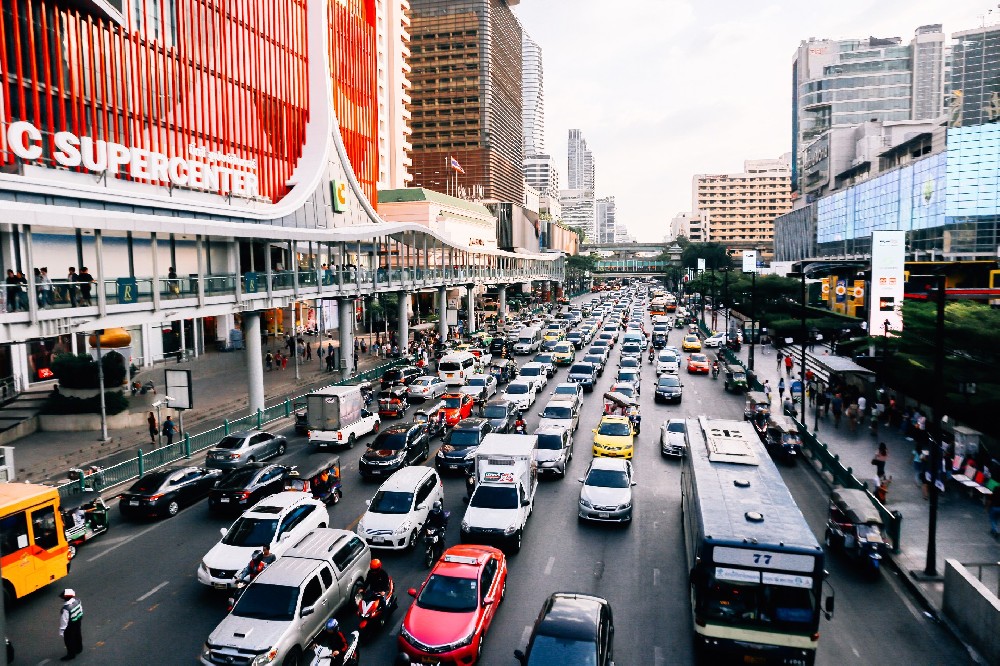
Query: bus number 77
{"points": [[757, 557]]}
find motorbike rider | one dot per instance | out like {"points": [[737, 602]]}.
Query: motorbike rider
{"points": [[258, 562], [378, 579], [436, 518], [651, 353], [333, 638], [715, 368], [520, 427]]}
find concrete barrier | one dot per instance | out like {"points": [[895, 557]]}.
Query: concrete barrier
{"points": [[89, 422], [973, 610]]}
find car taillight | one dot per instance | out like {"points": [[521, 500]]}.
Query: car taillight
{"points": [[153, 498], [243, 494], [309, 433], [340, 435]]}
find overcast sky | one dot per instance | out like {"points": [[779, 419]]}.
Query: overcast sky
{"points": [[665, 89]]}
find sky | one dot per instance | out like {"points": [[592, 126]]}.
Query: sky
{"points": [[666, 89]]}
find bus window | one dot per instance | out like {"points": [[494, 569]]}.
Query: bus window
{"points": [[43, 527], [13, 533]]}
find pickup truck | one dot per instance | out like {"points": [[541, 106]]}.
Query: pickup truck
{"points": [[336, 416], [506, 477]]}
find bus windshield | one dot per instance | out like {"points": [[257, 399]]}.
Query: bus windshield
{"points": [[777, 606]]}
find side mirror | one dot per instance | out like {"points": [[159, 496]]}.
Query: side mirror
{"points": [[368, 502], [421, 507], [488, 601], [412, 591], [525, 502], [223, 531], [308, 610], [594, 430], [284, 537], [581, 479]]}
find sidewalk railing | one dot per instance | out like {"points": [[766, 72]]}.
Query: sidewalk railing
{"points": [[732, 359], [189, 444]]}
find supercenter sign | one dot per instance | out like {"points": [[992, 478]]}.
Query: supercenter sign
{"points": [[226, 174]]}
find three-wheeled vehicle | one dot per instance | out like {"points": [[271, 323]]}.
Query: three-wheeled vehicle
{"points": [[85, 516], [855, 526], [316, 473], [301, 418], [757, 402], [736, 378], [428, 415], [503, 370], [782, 439], [392, 402], [659, 340], [367, 392], [91, 476]]}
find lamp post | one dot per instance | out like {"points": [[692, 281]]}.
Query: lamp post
{"points": [[753, 314], [100, 385], [935, 442]]}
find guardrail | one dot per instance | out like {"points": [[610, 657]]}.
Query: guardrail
{"points": [[732, 359], [188, 444]]}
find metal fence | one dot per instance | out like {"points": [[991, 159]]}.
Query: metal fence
{"points": [[189, 444]]}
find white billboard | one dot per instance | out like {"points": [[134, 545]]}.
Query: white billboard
{"points": [[749, 261], [886, 293], [701, 265]]}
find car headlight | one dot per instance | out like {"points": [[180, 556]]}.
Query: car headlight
{"points": [[459, 643], [404, 527], [623, 507], [465, 525], [206, 651], [510, 529], [204, 567], [471, 453], [265, 658], [584, 503], [406, 635]]}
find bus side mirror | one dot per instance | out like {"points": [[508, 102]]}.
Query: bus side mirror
{"points": [[828, 607]]}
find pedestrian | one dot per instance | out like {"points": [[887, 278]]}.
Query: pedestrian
{"points": [[151, 422], [329, 350], [879, 460], [13, 288], [788, 366], [45, 290], [993, 511], [837, 406], [780, 357], [84, 279], [70, 294], [268, 360], [852, 417], [781, 388], [862, 406], [173, 284], [284, 361], [71, 624], [918, 465], [329, 360], [169, 429]]}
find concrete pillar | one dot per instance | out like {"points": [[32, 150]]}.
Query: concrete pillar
{"points": [[470, 309], [404, 321], [255, 360], [502, 303], [345, 312], [443, 313]]}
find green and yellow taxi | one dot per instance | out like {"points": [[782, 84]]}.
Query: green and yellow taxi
{"points": [[691, 343], [553, 335], [564, 353], [614, 437]]}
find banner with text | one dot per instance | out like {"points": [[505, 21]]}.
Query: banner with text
{"points": [[888, 258]]}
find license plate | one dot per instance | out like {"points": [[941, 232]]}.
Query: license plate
{"points": [[134, 503], [429, 660], [378, 539], [224, 500], [604, 515], [376, 472], [450, 375], [220, 586]]}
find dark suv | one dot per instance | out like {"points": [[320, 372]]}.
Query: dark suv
{"points": [[571, 629], [502, 347], [394, 448], [400, 376], [501, 415], [460, 445]]}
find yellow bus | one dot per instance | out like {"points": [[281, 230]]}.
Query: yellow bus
{"points": [[33, 548]]}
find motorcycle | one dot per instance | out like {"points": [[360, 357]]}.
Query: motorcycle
{"points": [[651, 356], [434, 543], [374, 608], [715, 371], [323, 656], [520, 428]]}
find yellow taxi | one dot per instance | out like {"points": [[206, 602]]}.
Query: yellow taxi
{"points": [[614, 437], [553, 335], [691, 343], [564, 353]]}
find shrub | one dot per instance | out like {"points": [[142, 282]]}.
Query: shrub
{"points": [[79, 371], [114, 403]]}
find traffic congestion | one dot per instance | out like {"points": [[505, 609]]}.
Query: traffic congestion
{"points": [[536, 464]]}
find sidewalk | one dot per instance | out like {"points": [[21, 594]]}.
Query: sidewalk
{"points": [[962, 524], [219, 390]]}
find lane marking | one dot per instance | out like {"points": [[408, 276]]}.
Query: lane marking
{"points": [[656, 577], [152, 608], [525, 635], [132, 538], [657, 655], [43, 662], [153, 591], [127, 625], [548, 565]]}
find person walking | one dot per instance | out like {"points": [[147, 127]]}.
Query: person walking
{"points": [[151, 422], [781, 388], [788, 366], [71, 294], [168, 430], [879, 460], [780, 357], [862, 407], [46, 298], [837, 405], [269, 361], [84, 279], [13, 289], [71, 624]]}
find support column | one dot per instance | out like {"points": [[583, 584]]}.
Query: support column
{"points": [[443, 313], [470, 309], [404, 321], [255, 360], [345, 313], [502, 303]]}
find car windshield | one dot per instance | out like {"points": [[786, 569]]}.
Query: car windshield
{"points": [[392, 375], [699, 358], [452, 403], [238, 479], [543, 358], [423, 381], [776, 606], [449, 594], [263, 601], [631, 348], [517, 389], [557, 650], [614, 429], [494, 497], [230, 443], [564, 348], [630, 363], [691, 338], [464, 438], [668, 358], [477, 381], [626, 375], [550, 442], [607, 478], [668, 380], [388, 501], [389, 441], [596, 360], [531, 372], [624, 390], [496, 411], [251, 532], [675, 426], [449, 366], [557, 412]]}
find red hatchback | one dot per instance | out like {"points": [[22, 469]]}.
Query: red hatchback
{"points": [[457, 406], [454, 607]]}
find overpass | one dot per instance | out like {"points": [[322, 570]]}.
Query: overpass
{"points": [[631, 267], [623, 248]]}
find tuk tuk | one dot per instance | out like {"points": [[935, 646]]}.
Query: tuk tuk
{"points": [[367, 392], [782, 438], [757, 403], [85, 516], [736, 379], [392, 402], [619, 404], [503, 370], [301, 419], [855, 526], [315, 473], [659, 340], [90, 477]]}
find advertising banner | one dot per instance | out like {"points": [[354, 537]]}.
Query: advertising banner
{"points": [[888, 258], [858, 293], [841, 290], [701, 265], [749, 261]]}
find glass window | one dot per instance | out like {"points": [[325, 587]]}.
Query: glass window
{"points": [[250, 533], [449, 594], [391, 502], [348, 553], [327, 576], [312, 592], [263, 601], [13, 533]]}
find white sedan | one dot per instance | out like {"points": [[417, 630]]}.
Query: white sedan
{"points": [[520, 393], [426, 388], [477, 383], [716, 340]]}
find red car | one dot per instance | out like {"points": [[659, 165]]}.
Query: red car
{"points": [[457, 406], [454, 607], [698, 363]]}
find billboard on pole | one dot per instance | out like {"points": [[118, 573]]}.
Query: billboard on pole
{"points": [[749, 261], [886, 297], [701, 265]]}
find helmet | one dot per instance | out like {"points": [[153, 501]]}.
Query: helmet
{"points": [[376, 564], [332, 624], [437, 505]]}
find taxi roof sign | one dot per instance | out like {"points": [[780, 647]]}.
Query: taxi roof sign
{"points": [[461, 559]]}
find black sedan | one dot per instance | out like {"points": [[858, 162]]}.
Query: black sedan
{"points": [[165, 491], [395, 447], [400, 376], [244, 487]]}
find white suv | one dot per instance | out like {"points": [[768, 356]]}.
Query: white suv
{"points": [[397, 513], [277, 521], [667, 364]]}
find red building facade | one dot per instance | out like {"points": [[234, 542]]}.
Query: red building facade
{"points": [[223, 83]]}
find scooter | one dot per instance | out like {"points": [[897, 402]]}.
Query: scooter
{"points": [[715, 371], [323, 656], [434, 543], [374, 609]]}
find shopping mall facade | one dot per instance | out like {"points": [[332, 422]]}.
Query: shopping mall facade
{"points": [[212, 165]]}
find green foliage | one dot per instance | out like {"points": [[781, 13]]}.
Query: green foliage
{"points": [[114, 403], [715, 255], [582, 262], [79, 371]]}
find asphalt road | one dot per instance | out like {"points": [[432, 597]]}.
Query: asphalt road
{"points": [[143, 604]]}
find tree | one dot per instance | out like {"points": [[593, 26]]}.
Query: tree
{"points": [[582, 262], [715, 255]]}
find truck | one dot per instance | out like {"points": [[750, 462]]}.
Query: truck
{"points": [[337, 417], [506, 476]]}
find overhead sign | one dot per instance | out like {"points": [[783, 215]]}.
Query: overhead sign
{"points": [[888, 259], [178, 383], [227, 174], [338, 191], [749, 261]]}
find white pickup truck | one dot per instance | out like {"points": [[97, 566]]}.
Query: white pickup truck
{"points": [[506, 477], [337, 417]]}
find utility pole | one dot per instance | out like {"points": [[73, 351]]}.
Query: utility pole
{"points": [[100, 385], [935, 442]]}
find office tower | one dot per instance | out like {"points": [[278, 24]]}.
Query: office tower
{"points": [[579, 209], [532, 98], [393, 43], [606, 228], [975, 77], [580, 163], [927, 48]]}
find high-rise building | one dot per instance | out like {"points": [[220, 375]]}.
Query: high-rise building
{"points": [[393, 43], [579, 209], [466, 97], [542, 173], [532, 98], [690, 225], [975, 77], [739, 208], [927, 48], [606, 227], [580, 163]]}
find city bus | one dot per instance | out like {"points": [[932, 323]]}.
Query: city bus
{"points": [[755, 568], [658, 306], [671, 303], [33, 548]]}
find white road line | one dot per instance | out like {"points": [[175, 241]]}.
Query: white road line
{"points": [[548, 565], [153, 591], [128, 540], [525, 635], [43, 662], [656, 577], [657, 656]]}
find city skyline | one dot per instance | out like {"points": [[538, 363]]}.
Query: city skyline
{"points": [[655, 126]]}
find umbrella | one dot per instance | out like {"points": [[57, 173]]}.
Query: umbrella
{"points": [[620, 399]]}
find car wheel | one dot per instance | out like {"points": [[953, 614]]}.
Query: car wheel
{"points": [[828, 539], [350, 441], [281, 449], [412, 541], [173, 508], [515, 546], [251, 460], [294, 658]]}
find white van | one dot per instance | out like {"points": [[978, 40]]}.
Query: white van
{"points": [[456, 368], [528, 340]]}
